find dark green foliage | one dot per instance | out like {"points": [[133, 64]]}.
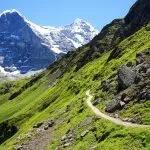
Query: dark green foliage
{"points": [[6, 88], [6, 131]]}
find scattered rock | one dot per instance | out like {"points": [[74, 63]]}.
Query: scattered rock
{"points": [[70, 136], [84, 133], [127, 99], [145, 94], [38, 125], [28, 135], [133, 120], [63, 137], [46, 127], [93, 148], [139, 58], [105, 86], [51, 123], [57, 148], [93, 129], [123, 96], [148, 72], [67, 139], [87, 121], [67, 144], [69, 131], [19, 147], [122, 104], [129, 64], [116, 116]]}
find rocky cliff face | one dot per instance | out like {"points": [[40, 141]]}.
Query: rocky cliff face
{"points": [[119, 29], [20, 48], [25, 46], [137, 17]]}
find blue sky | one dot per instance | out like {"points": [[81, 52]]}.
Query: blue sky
{"points": [[63, 12]]}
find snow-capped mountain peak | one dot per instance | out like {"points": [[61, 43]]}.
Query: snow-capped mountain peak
{"points": [[64, 39], [34, 46], [10, 12], [13, 12]]}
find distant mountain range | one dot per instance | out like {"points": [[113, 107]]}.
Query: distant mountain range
{"points": [[25, 46]]}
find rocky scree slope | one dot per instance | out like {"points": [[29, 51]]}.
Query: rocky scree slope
{"points": [[26, 46], [133, 85]]}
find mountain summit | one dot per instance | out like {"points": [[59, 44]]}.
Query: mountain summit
{"points": [[26, 46]]}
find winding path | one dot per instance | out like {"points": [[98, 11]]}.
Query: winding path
{"points": [[111, 119]]}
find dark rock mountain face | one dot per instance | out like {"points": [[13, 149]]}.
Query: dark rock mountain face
{"points": [[119, 29], [104, 40], [138, 16], [20, 47]]}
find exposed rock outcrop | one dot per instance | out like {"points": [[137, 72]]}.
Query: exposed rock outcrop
{"points": [[126, 77], [135, 80]]}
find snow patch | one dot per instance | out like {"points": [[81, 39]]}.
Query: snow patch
{"points": [[2, 70], [80, 38]]}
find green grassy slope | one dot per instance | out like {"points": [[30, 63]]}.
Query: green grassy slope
{"points": [[65, 100]]}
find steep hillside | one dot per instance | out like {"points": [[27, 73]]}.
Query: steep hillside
{"points": [[50, 111], [119, 29]]}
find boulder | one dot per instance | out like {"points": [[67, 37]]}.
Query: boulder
{"points": [[112, 106], [126, 77]]}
